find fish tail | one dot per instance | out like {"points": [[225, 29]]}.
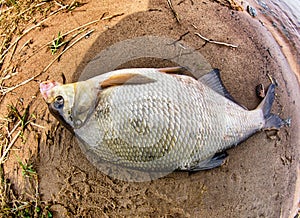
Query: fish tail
{"points": [[272, 121]]}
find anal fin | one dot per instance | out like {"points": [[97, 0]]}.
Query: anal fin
{"points": [[215, 161]]}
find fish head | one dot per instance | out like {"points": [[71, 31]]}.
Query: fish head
{"points": [[72, 104], [60, 100]]}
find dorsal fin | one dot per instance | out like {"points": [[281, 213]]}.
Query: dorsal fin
{"points": [[213, 81], [172, 70], [125, 79]]}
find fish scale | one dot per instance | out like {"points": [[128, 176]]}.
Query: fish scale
{"points": [[161, 109], [147, 119]]}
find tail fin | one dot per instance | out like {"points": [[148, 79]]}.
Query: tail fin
{"points": [[272, 121]]}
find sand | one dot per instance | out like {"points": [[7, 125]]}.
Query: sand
{"points": [[260, 177]]}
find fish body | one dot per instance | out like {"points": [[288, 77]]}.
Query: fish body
{"points": [[148, 119]]}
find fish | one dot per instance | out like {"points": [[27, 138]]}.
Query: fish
{"points": [[156, 119]]}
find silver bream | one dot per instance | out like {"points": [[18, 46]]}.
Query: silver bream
{"points": [[155, 120]]}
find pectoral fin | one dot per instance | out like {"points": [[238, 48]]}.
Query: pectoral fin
{"points": [[125, 79]]}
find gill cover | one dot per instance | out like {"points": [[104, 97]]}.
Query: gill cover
{"points": [[85, 101]]}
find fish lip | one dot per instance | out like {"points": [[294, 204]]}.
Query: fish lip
{"points": [[46, 86]]}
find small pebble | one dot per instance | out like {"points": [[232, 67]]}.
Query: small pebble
{"points": [[252, 11], [288, 122], [260, 91]]}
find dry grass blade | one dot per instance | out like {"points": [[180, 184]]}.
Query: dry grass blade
{"points": [[22, 13], [25, 32], [5, 152], [14, 129], [31, 206], [71, 45], [65, 34], [215, 42], [30, 8], [22, 123], [4, 91], [77, 28], [7, 90], [20, 37]]}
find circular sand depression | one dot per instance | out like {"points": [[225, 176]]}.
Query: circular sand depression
{"points": [[259, 178], [131, 53]]}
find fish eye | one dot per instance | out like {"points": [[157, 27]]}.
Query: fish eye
{"points": [[58, 102]]}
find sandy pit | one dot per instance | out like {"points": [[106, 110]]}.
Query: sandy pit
{"points": [[260, 177]]}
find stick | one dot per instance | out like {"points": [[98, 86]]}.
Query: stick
{"points": [[112, 16], [173, 11], [215, 42], [180, 38]]}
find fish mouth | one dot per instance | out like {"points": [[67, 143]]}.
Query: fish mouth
{"points": [[46, 86]]}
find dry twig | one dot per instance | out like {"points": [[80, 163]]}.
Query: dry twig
{"points": [[215, 42], [112, 16], [173, 11]]}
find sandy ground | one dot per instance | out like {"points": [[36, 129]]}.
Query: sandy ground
{"points": [[259, 178]]}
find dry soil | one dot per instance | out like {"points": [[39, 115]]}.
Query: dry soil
{"points": [[259, 178]]}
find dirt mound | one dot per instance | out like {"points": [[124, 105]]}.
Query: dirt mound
{"points": [[259, 178]]}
